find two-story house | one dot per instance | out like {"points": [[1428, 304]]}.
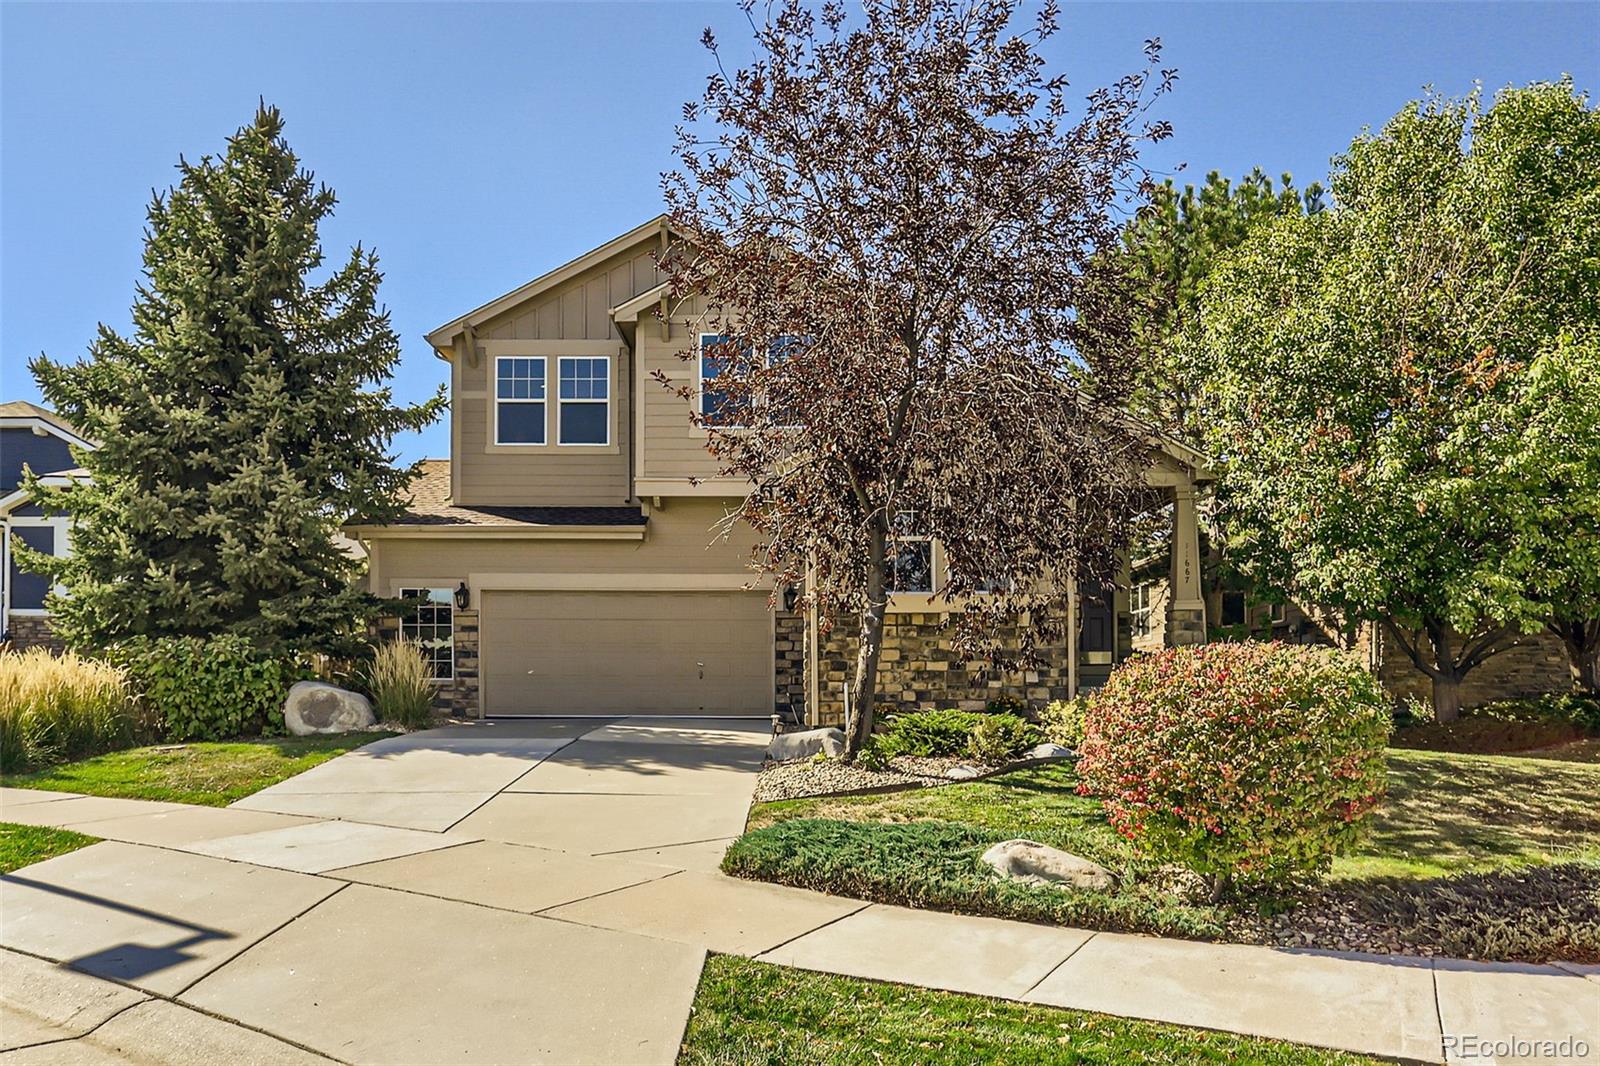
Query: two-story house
{"points": [[565, 560], [36, 439]]}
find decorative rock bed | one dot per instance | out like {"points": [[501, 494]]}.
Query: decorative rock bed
{"points": [[802, 778]]}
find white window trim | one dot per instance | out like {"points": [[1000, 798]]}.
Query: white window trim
{"points": [[1140, 617], [60, 548], [560, 403], [400, 592], [495, 402]]}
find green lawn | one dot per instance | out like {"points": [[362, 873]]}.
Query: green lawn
{"points": [[1440, 868], [24, 845], [210, 773], [751, 1012], [1444, 814]]}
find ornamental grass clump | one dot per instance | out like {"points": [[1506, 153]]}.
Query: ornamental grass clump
{"points": [[55, 708], [402, 692], [1251, 764]]}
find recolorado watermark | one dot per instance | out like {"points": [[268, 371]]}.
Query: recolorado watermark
{"points": [[1471, 1045]]}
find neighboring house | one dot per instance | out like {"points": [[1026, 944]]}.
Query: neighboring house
{"points": [[564, 559], [1535, 665], [37, 439]]}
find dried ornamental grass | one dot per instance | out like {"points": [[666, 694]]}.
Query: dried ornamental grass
{"points": [[55, 708], [402, 691]]}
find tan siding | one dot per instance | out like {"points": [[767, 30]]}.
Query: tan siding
{"points": [[679, 541], [673, 448], [577, 310]]}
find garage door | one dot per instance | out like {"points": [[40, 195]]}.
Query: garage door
{"points": [[559, 653]]}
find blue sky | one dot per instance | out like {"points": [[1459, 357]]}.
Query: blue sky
{"points": [[478, 145]]}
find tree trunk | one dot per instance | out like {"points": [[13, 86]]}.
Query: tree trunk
{"points": [[1581, 638], [1446, 697], [864, 686]]}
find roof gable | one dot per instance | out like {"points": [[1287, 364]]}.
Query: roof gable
{"points": [[658, 229]]}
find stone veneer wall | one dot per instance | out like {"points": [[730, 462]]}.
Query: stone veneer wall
{"points": [[1535, 665], [33, 631], [459, 696], [789, 665], [919, 670]]}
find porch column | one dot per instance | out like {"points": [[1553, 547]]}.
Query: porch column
{"points": [[1187, 609]]}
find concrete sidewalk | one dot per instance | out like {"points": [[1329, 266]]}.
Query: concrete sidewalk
{"points": [[546, 892]]}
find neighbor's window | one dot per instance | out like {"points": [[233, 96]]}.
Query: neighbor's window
{"points": [[1233, 608], [584, 400], [910, 557], [1140, 598], [431, 623], [519, 400]]}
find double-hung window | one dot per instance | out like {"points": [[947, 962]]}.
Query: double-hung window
{"points": [[519, 399], [583, 400], [718, 405], [1139, 602], [430, 624], [910, 557]]}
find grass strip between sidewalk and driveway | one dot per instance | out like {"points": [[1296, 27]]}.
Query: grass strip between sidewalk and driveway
{"points": [[210, 773], [24, 845], [753, 1012]]}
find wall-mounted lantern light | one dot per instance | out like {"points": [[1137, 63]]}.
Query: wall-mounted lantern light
{"points": [[463, 596], [791, 597]]}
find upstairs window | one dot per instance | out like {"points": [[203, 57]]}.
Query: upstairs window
{"points": [[717, 404], [584, 400], [519, 399], [430, 624]]}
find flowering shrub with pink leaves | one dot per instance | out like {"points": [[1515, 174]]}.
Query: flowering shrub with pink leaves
{"points": [[1246, 762]]}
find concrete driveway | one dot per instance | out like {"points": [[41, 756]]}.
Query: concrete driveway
{"points": [[397, 904]]}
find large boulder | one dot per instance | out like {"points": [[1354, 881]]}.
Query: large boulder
{"points": [[786, 747], [1049, 751], [318, 707], [1036, 863]]}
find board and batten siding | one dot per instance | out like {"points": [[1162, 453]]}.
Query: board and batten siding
{"points": [[571, 319]]}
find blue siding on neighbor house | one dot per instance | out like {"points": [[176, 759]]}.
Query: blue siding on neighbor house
{"points": [[43, 455], [28, 590]]}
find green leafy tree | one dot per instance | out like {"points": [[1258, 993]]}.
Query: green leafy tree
{"points": [[240, 424], [1372, 362]]}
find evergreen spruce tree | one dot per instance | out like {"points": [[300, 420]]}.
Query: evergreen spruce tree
{"points": [[245, 419]]}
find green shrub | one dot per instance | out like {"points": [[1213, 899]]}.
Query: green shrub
{"points": [[209, 689], [1007, 703], [1245, 762], [936, 865], [57, 708], [929, 733], [1002, 737], [1062, 721], [402, 691], [1567, 708]]}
